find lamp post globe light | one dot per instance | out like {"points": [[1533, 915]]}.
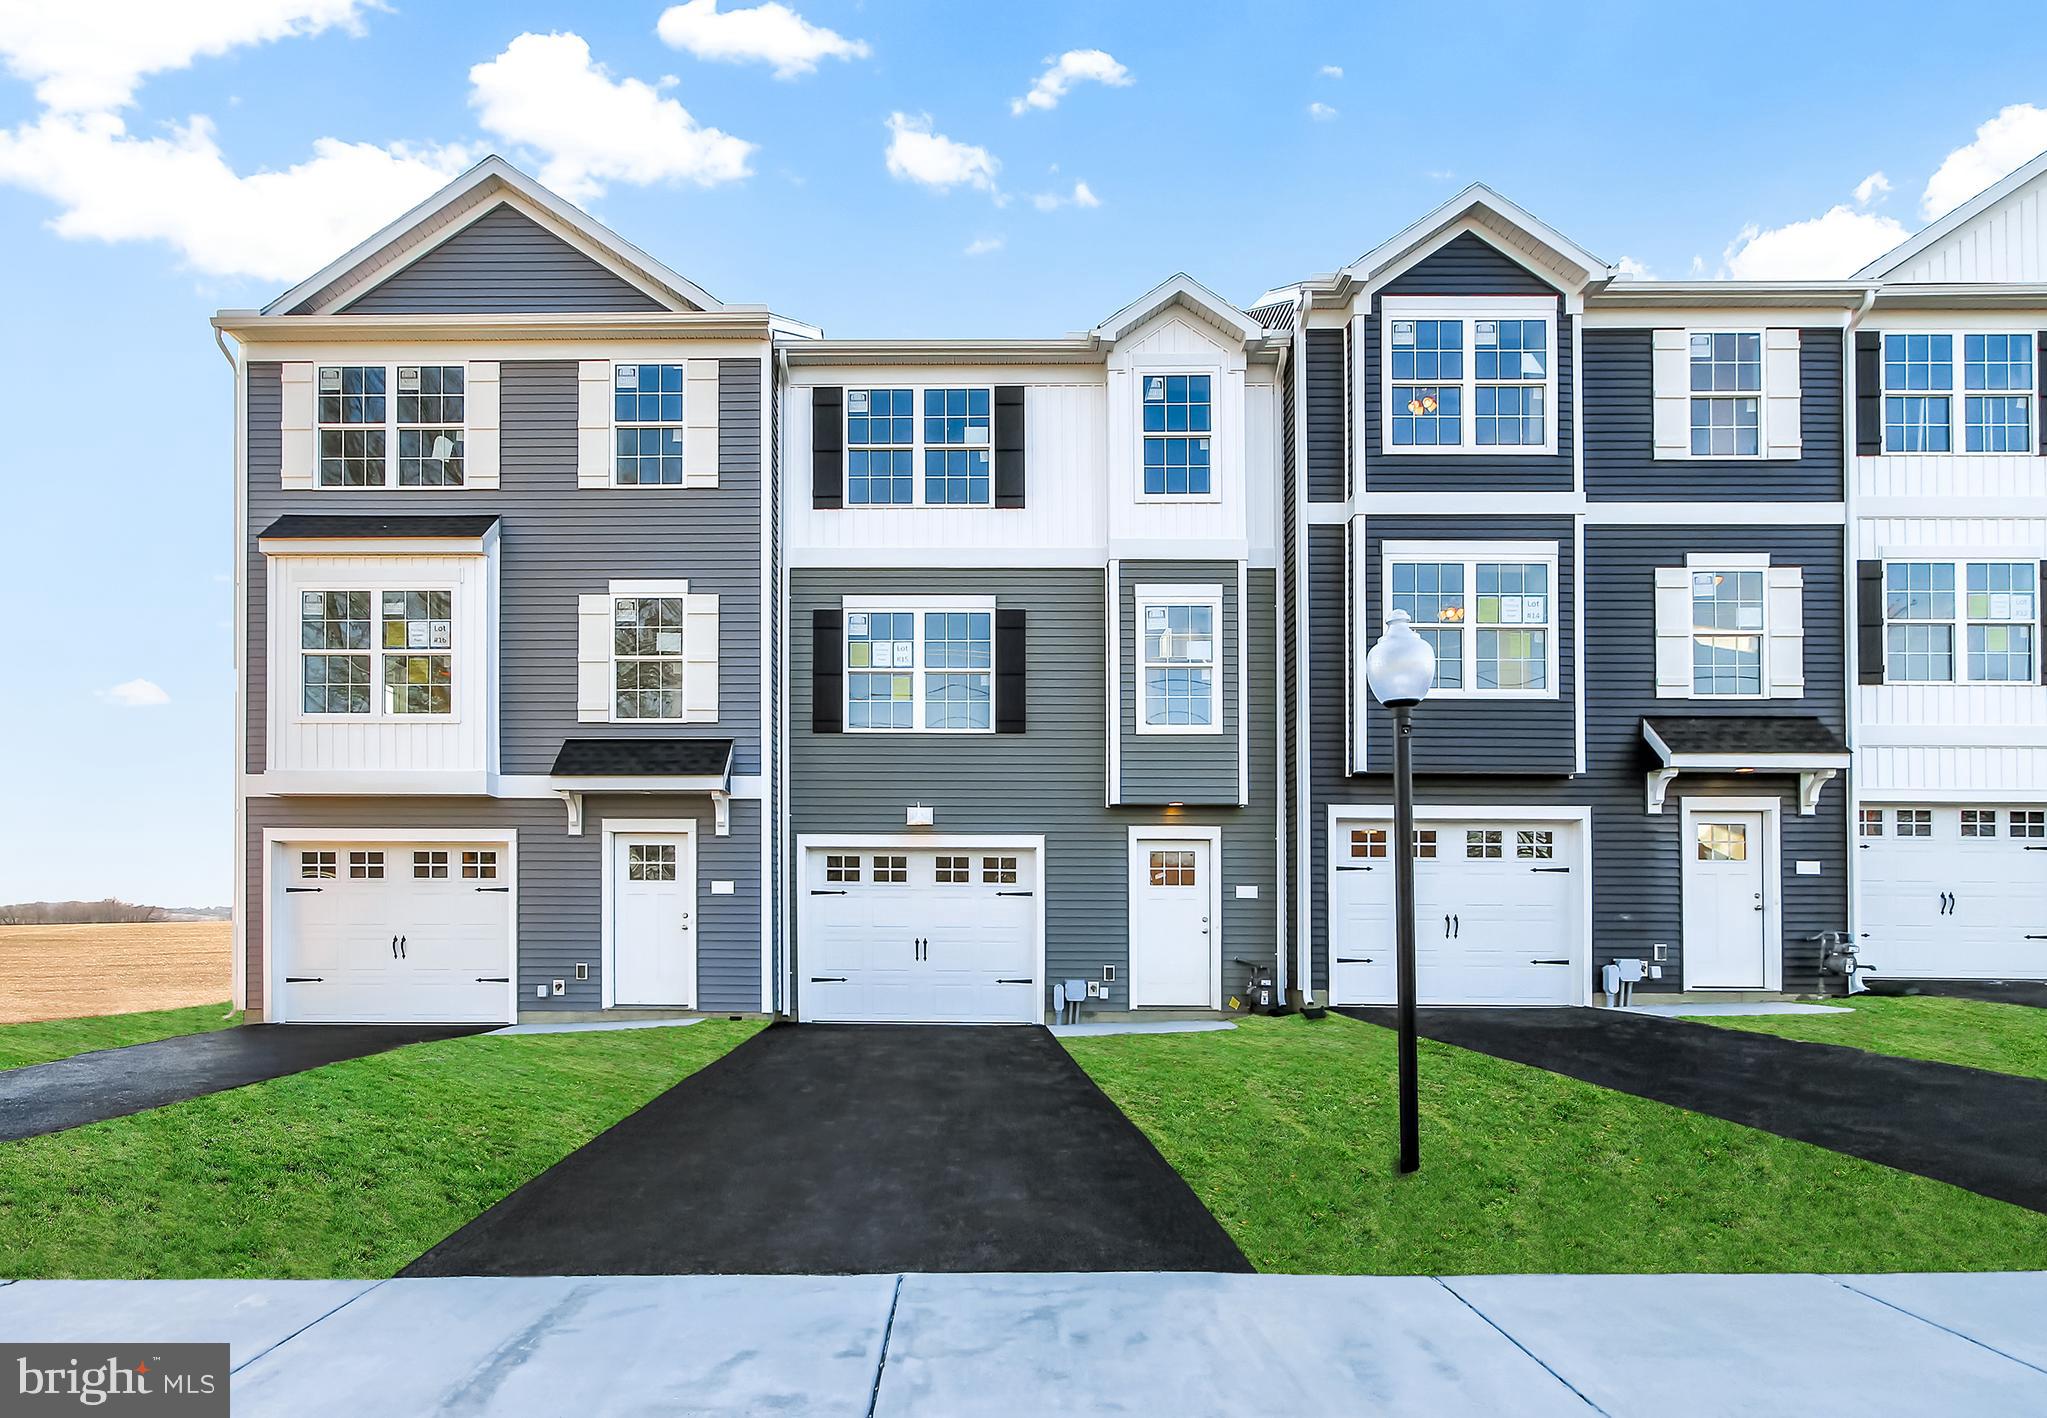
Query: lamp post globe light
{"points": [[1401, 669]]}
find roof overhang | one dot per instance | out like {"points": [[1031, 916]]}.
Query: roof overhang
{"points": [[380, 534], [1184, 291], [488, 184], [732, 322], [1485, 211], [1957, 295], [1070, 349], [1786, 744], [1749, 295], [645, 765]]}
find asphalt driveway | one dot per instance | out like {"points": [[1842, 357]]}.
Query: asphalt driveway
{"points": [[111, 1083], [857, 1149], [1968, 1127]]}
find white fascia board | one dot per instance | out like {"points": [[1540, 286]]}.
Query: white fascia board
{"points": [[665, 783], [1926, 236], [624, 258], [378, 546], [1642, 304]]}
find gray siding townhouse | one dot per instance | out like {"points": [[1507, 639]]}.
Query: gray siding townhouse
{"points": [[603, 646], [1032, 667], [1616, 511], [504, 593]]}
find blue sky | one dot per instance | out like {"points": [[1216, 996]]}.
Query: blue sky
{"points": [[863, 167]]}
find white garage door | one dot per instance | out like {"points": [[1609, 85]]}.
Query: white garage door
{"points": [[1495, 906], [917, 935], [381, 932], [1953, 892]]}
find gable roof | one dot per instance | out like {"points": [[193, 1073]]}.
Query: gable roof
{"points": [[1954, 221], [1513, 227], [1183, 290], [489, 184]]}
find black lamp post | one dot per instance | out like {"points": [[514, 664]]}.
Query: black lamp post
{"points": [[1401, 669]]}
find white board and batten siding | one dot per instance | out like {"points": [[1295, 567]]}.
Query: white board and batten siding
{"points": [[2005, 242], [1176, 341], [458, 742]]}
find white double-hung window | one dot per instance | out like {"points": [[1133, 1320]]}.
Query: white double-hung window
{"points": [[647, 652], [1179, 632], [919, 664], [1995, 398], [364, 411], [1730, 625], [1469, 375], [1488, 609], [1961, 622], [951, 442]]}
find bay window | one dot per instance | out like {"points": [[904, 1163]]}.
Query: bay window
{"points": [[412, 646]]}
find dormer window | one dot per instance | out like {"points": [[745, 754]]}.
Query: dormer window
{"points": [[1468, 375]]}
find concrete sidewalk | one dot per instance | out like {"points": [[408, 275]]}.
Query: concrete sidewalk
{"points": [[1182, 1344]]}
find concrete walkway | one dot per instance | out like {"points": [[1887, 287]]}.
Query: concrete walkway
{"points": [[958, 1346]]}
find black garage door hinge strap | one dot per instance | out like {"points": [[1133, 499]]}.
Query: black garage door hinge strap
{"points": [[1353, 960], [1549, 868], [2036, 937], [1016, 893], [493, 979], [305, 979], [1016, 982], [493, 888], [827, 979], [1549, 962], [294, 890], [1343, 868], [814, 891]]}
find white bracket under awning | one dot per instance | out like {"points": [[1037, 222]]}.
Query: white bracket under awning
{"points": [[1815, 770], [718, 788]]}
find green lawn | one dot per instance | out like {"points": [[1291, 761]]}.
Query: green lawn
{"points": [[61, 1038], [2004, 1038], [1286, 1129], [348, 1170]]}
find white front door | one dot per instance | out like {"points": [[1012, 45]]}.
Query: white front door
{"points": [[1170, 932], [1494, 912], [919, 935], [654, 941], [370, 932], [1724, 910]]}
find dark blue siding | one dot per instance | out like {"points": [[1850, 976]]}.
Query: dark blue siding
{"points": [[1328, 477], [1620, 462]]}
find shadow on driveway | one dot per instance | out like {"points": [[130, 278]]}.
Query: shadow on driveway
{"points": [[111, 1083], [1983, 1131], [857, 1149]]}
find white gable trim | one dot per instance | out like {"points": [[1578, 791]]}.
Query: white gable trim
{"points": [[1489, 215], [470, 196], [1181, 289], [1954, 221]]}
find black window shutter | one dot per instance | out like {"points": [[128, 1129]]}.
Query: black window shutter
{"points": [[1869, 622], [1869, 393], [2040, 396], [1009, 445], [827, 448], [827, 672], [1010, 657]]}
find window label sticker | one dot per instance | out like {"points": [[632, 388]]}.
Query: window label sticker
{"points": [[415, 635], [1155, 390], [1486, 332], [856, 401], [1403, 332], [437, 635], [408, 379], [1702, 347], [668, 642], [856, 623], [1750, 618], [628, 376], [1703, 583], [976, 434]]}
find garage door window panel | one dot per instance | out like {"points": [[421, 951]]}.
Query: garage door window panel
{"points": [[316, 866], [892, 871], [2029, 823], [1872, 822], [998, 871], [1915, 822], [366, 866]]}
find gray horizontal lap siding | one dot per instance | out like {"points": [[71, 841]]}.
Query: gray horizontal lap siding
{"points": [[1293, 559], [559, 541], [1479, 734], [1636, 898], [502, 262], [1179, 768], [1467, 266], [1620, 461], [559, 883], [1636, 858], [1047, 781], [1328, 474]]}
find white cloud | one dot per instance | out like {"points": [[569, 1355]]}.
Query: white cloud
{"points": [[1081, 196], [179, 188], [1075, 66], [1321, 112], [2016, 136], [1833, 245], [545, 92], [982, 245], [1873, 186], [87, 57], [1633, 270], [135, 694], [1331, 71], [916, 154], [1439, 174], [766, 34]]}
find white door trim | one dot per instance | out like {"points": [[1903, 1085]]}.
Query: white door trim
{"points": [[1772, 810], [807, 842], [607, 947], [274, 839], [1579, 816], [1169, 832]]}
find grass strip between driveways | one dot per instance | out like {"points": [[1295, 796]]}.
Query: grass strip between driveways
{"points": [[352, 1169], [2004, 1038], [1286, 1129], [24, 1044]]}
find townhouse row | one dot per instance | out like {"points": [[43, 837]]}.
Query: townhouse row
{"points": [[604, 646]]}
